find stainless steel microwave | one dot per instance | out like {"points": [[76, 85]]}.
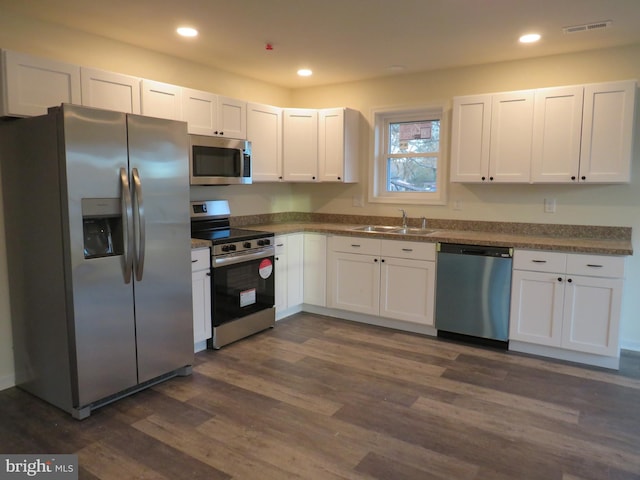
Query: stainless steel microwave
{"points": [[219, 160]]}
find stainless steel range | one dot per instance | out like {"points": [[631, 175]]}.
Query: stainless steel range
{"points": [[243, 277]]}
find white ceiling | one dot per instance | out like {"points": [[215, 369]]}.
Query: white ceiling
{"points": [[344, 40]]}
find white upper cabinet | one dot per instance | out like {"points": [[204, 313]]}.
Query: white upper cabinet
{"points": [[338, 142], [110, 91], [161, 100], [300, 145], [30, 85], [200, 111], [210, 114], [232, 117], [511, 137], [607, 132], [578, 134], [556, 135], [264, 131], [470, 133]]}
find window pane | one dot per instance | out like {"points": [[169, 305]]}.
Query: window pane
{"points": [[414, 137], [412, 174]]}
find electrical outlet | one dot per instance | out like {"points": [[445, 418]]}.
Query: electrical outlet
{"points": [[457, 204], [550, 205]]}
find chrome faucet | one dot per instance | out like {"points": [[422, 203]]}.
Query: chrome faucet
{"points": [[404, 218], [424, 223]]}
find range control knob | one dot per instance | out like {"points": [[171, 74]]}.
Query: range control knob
{"points": [[232, 247], [264, 241], [225, 248], [246, 244]]}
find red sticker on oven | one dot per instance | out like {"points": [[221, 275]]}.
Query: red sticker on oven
{"points": [[266, 268]]}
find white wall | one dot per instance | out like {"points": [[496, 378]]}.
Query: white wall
{"points": [[595, 205]]}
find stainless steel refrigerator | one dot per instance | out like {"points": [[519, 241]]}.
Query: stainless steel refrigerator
{"points": [[98, 246]]}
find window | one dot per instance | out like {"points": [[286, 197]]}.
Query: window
{"points": [[408, 159]]}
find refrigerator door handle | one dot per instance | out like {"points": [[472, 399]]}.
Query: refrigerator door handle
{"points": [[140, 224], [127, 223]]}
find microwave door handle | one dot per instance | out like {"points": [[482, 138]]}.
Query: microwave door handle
{"points": [[140, 223], [127, 223]]}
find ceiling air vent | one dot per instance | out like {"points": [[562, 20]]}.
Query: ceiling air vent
{"points": [[587, 27]]}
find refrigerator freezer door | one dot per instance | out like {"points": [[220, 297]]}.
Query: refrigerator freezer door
{"points": [[158, 151], [95, 149]]}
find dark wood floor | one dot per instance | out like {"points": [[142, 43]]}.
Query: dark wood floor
{"points": [[320, 398]]}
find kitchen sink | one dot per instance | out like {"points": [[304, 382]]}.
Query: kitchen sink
{"points": [[393, 229], [375, 228], [412, 231]]}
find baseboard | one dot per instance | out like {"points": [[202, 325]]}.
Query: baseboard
{"points": [[7, 381], [632, 346]]}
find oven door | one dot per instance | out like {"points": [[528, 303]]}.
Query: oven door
{"points": [[242, 285]]}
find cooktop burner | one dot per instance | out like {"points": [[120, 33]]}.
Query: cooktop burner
{"points": [[226, 235]]}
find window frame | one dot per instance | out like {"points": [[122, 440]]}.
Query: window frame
{"points": [[380, 119]]}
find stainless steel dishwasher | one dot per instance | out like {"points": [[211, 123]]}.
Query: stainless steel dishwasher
{"points": [[473, 293]]}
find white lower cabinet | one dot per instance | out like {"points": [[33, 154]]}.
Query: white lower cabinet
{"points": [[568, 301], [201, 294], [389, 278], [315, 269], [289, 273]]}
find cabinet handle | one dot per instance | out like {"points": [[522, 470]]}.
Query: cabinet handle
{"points": [[208, 274], [375, 260], [491, 178], [593, 265], [221, 133], [483, 179], [539, 261], [355, 245], [339, 178], [382, 260], [280, 245], [573, 177], [583, 177], [569, 280], [194, 261], [407, 249], [559, 279]]}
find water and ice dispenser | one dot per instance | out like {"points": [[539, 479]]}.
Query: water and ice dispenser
{"points": [[102, 227]]}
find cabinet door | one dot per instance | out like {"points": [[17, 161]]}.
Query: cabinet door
{"points": [[354, 282], [280, 273], [110, 91], [315, 269], [200, 111], [201, 287], [536, 307], [264, 131], [300, 145], [471, 133], [511, 137], [592, 315], [331, 144], [295, 266], [557, 129], [32, 84], [232, 118], [607, 132], [161, 100], [407, 290]]}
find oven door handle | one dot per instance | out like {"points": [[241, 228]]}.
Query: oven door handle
{"points": [[223, 261]]}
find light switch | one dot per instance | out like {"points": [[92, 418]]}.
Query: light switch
{"points": [[550, 205]]}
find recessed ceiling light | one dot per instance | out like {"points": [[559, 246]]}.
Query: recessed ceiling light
{"points": [[305, 72], [187, 31], [530, 38]]}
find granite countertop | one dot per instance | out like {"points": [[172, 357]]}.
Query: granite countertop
{"points": [[197, 243], [573, 242]]}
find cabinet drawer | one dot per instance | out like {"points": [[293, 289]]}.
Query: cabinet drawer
{"points": [[281, 244], [365, 246], [539, 261], [410, 250], [200, 259], [595, 265]]}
